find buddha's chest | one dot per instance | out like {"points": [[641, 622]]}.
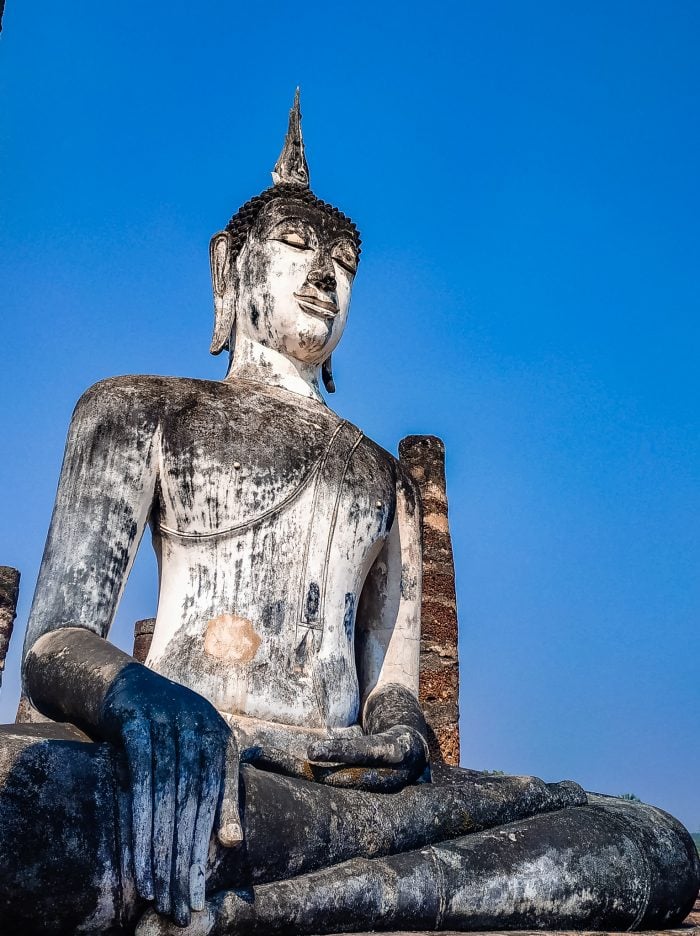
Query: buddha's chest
{"points": [[225, 470], [269, 520]]}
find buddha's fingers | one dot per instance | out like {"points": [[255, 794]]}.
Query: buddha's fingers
{"points": [[212, 768], [136, 737], [188, 789], [164, 798], [380, 750], [229, 832]]}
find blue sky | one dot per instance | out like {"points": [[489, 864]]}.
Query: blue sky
{"points": [[525, 179]]}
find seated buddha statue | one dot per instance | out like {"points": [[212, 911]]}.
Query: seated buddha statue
{"points": [[267, 770]]}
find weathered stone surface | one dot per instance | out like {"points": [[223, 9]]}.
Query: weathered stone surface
{"points": [[26, 713], [690, 927], [9, 593], [424, 459]]}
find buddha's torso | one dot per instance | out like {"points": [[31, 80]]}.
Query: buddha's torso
{"points": [[269, 513]]}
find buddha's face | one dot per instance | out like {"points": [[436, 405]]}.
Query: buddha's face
{"points": [[294, 278]]}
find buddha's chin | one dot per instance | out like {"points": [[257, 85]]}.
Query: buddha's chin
{"points": [[311, 340]]}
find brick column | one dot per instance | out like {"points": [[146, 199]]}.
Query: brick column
{"points": [[424, 459], [143, 635], [9, 593]]}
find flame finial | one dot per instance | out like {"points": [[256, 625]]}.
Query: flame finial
{"points": [[291, 167]]}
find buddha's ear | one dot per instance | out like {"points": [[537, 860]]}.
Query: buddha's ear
{"points": [[224, 301]]}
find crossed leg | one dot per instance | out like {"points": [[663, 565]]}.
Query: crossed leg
{"points": [[606, 865], [315, 857]]}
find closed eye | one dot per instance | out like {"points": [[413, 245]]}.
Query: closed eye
{"points": [[344, 255], [293, 239]]}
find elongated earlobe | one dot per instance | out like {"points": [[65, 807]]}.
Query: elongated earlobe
{"points": [[224, 294], [327, 374]]}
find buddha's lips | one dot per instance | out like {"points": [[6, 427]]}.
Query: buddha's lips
{"points": [[317, 306]]}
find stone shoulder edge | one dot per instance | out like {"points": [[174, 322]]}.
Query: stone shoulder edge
{"points": [[125, 394], [404, 481]]}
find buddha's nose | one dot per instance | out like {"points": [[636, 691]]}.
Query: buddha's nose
{"points": [[323, 277]]}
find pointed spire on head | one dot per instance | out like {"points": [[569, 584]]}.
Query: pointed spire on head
{"points": [[291, 167]]}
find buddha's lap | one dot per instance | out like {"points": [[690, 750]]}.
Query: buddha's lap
{"points": [[64, 800]]}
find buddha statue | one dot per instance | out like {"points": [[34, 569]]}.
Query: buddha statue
{"points": [[266, 770]]}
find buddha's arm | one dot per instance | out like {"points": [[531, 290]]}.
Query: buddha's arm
{"points": [[179, 750], [104, 497], [387, 636], [388, 617]]}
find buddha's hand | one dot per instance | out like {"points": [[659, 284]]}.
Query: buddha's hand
{"points": [[394, 740], [401, 748], [183, 765]]}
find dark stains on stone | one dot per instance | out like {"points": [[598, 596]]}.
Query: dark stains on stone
{"points": [[409, 582], [312, 602], [349, 615], [273, 616], [333, 678], [392, 705], [304, 649], [98, 519]]}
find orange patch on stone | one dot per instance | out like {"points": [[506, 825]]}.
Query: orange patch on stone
{"points": [[231, 638]]}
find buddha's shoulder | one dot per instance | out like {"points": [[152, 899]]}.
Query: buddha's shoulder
{"points": [[151, 399], [142, 394], [374, 453], [404, 482]]}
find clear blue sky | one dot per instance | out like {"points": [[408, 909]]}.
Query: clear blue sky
{"points": [[525, 176]]}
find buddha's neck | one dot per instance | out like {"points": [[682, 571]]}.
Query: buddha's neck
{"points": [[253, 361]]}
